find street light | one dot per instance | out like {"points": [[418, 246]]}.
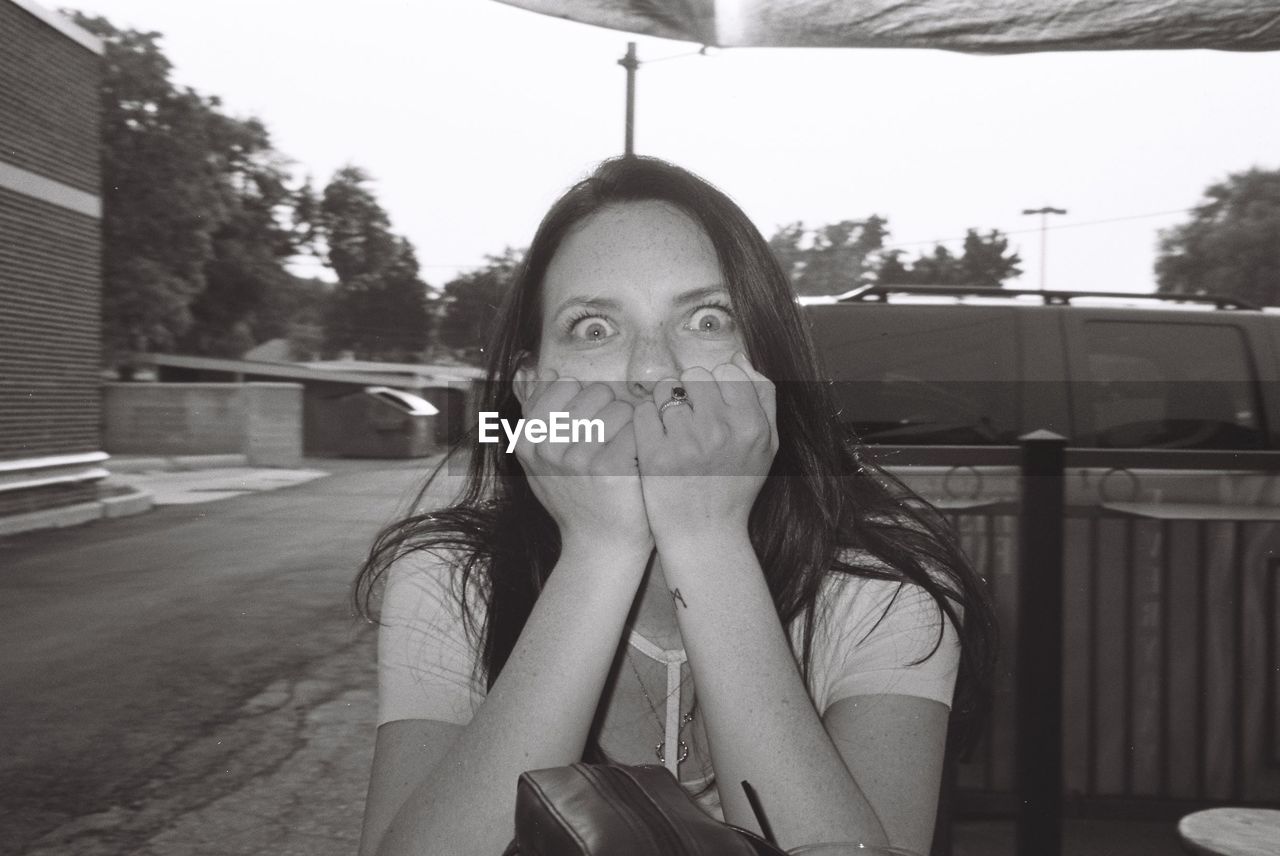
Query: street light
{"points": [[1044, 220], [630, 62]]}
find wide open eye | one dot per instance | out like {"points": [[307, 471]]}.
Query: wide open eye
{"points": [[591, 328], [711, 319]]}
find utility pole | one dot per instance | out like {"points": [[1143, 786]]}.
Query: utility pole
{"points": [[630, 62], [1044, 239]]}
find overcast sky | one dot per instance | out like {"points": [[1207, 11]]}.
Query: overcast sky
{"points": [[473, 116]]}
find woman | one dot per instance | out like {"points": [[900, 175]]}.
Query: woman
{"points": [[715, 582]]}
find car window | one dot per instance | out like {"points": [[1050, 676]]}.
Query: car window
{"points": [[1170, 386], [917, 375]]}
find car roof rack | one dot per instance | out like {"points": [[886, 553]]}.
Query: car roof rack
{"points": [[880, 294]]}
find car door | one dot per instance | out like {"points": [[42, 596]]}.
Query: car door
{"points": [[1178, 401]]}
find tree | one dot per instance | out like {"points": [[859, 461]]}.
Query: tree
{"points": [[196, 219], [295, 311], [246, 283], [786, 244], [841, 256], [831, 259], [892, 270], [379, 308], [160, 203], [1231, 245], [938, 267], [470, 302], [985, 262]]}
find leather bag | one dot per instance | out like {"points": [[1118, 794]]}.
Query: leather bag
{"points": [[617, 810]]}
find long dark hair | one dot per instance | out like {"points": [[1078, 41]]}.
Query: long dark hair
{"points": [[822, 498]]}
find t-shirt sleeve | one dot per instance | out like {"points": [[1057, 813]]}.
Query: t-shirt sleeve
{"points": [[425, 661], [876, 637]]}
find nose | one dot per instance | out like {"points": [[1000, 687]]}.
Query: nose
{"points": [[651, 359]]}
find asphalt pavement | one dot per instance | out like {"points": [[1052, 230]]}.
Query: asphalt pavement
{"points": [[192, 680]]}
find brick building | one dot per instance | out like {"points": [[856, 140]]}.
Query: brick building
{"points": [[50, 261]]}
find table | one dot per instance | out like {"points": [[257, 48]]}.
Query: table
{"points": [[1232, 832]]}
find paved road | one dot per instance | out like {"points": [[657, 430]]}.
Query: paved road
{"points": [[192, 680]]}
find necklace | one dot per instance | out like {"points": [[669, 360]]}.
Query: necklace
{"points": [[682, 748]]}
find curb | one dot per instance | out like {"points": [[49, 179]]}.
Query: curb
{"points": [[108, 507], [173, 463]]}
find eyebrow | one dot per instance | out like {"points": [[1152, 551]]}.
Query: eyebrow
{"points": [[696, 294], [693, 295], [588, 302]]}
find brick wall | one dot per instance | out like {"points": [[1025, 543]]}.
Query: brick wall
{"points": [[50, 257], [50, 329], [48, 101]]}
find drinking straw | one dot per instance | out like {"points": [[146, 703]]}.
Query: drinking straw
{"points": [[758, 810]]}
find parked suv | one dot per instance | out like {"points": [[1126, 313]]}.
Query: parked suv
{"points": [[935, 377]]}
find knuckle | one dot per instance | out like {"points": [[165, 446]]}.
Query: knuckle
{"points": [[726, 374], [597, 391]]}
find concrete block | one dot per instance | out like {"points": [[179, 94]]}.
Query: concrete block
{"points": [[273, 424], [173, 418], [255, 423]]}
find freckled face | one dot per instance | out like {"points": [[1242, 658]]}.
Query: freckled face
{"points": [[635, 295]]}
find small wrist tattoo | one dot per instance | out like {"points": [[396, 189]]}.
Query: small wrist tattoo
{"points": [[678, 598]]}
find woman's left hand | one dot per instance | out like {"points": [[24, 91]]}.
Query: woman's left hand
{"points": [[702, 463]]}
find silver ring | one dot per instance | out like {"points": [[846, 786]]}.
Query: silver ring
{"points": [[672, 402]]}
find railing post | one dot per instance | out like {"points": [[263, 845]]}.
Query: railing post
{"points": [[1038, 744]]}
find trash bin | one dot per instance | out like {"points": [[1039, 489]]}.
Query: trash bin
{"points": [[451, 402], [381, 422]]}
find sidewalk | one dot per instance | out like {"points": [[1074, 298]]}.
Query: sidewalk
{"points": [[189, 480]]}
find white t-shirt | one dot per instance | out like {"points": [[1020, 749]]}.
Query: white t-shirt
{"points": [[426, 665]]}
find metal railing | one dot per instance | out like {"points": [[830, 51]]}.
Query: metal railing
{"points": [[880, 293], [1160, 628]]}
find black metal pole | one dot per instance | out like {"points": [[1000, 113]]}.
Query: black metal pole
{"points": [[630, 63], [1038, 744]]}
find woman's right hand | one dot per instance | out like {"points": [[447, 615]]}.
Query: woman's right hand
{"points": [[591, 489]]}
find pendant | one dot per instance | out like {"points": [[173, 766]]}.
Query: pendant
{"points": [[682, 751]]}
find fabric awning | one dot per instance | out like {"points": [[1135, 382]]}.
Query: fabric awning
{"points": [[978, 26]]}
